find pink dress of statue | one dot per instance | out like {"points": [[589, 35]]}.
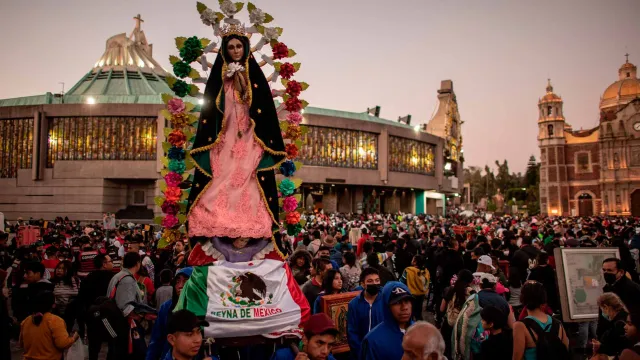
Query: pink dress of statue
{"points": [[232, 206]]}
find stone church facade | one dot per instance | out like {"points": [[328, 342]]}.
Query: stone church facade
{"points": [[594, 171]]}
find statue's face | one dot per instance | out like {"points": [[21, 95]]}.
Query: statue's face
{"points": [[235, 49], [240, 243]]}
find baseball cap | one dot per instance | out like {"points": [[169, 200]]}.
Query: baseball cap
{"points": [[184, 321], [486, 260], [398, 294], [319, 324]]}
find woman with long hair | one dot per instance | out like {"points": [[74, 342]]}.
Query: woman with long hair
{"points": [[300, 264], [43, 335], [417, 279], [612, 340], [65, 290], [331, 284], [452, 302], [632, 333], [350, 271]]}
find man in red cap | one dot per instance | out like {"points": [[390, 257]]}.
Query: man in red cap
{"points": [[319, 337]]}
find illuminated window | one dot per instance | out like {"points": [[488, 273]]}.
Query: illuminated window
{"points": [[406, 155], [16, 146], [324, 146], [101, 138]]}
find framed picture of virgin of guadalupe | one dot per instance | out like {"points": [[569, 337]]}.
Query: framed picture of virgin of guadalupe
{"points": [[336, 306], [580, 281]]}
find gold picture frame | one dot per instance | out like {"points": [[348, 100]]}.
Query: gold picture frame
{"points": [[336, 306]]}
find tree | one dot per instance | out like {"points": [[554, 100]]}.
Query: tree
{"points": [[532, 176]]}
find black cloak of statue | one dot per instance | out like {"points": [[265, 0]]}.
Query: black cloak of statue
{"points": [[266, 131]]}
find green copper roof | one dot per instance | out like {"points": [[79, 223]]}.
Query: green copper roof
{"points": [[363, 116]]}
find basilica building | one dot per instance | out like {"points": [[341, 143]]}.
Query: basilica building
{"points": [[594, 171]]}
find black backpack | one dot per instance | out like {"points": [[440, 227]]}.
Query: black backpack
{"points": [[106, 318], [549, 345]]}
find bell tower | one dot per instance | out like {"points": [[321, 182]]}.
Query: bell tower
{"points": [[551, 141]]}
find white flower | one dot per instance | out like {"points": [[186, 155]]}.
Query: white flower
{"points": [[256, 16], [233, 68], [271, 34], [209, 17], [228, 8]]}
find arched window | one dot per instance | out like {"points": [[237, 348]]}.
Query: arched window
{"points": [[550, 130], [549, 110]]}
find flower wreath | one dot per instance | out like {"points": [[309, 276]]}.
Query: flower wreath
{"points": [[177, 162]]}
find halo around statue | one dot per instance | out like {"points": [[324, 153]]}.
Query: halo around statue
{"points": [[178, 164]]}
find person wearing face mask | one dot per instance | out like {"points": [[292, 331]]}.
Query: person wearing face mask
{"points": [[611, 341], [619, 284], [364, 311]]}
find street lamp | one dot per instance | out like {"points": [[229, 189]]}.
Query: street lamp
{"points": [[91, 100]]}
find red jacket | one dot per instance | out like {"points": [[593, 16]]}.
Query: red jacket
{"points": [[361, 241]]}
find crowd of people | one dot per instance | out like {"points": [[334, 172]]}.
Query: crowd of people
{"points": [[428, 287]]}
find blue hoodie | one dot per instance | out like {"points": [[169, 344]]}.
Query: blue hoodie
{"points": [[158, 345], [361, 318], [384, 342]]}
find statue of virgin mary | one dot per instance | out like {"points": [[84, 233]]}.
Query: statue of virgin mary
{"points": [[238, 145]]}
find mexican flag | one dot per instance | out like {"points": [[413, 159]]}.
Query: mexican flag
{"points": [[258, 297]]}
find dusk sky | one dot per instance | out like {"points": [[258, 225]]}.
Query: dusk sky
{"points": [[360, 53]]}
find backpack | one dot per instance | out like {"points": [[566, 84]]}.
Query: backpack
{"points": [[466, 328], [452, 311], [549, 345], [105, 316]]}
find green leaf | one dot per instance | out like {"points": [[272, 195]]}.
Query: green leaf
{"points": [[292, 53], [165, 162], [191, 177], [183, 207], [159, 200], [303, 222], [273, 42], [304, 85], [280, 202], [185, 195], [299, 144], [162, 185], [164, 172], [251, 7], [277, 65], [185, 176], [285, 97], [163, 243], [171, 81], [298, 197], [297, 182], [167, 131], [194, 90], [282, 216], [267, 18], [158, 220], [239, 6], [279, 30], [284, 82], [180, 42], [260, 29], [220, 1], [193, 119], [205, 42], [298, 165], [187, 133], [166, 98], [166, 114], [188, 107], [194, 74], [284, 125], [182, 218], [296, 66], [166, 146], [219, 15], [174, 59], [189, 165], [201, 7], [304, 130], [304, 103]]}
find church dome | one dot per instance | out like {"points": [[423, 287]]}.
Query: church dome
{"points": [[550, 96], [624, 90]]}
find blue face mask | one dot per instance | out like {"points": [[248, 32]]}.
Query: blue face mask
{"points": [[605, 315]]}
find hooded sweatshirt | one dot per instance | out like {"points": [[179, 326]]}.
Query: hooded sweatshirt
{"points": [[362, 317], [384, 342]]}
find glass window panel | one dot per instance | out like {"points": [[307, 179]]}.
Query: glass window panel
{"points": [[324, 146], [407, 155], [97, 138], [16, 146]]}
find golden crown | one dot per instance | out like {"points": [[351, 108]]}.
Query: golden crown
{"points": [[233, 29]]}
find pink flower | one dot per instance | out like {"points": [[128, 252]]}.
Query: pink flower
{"points": [[173, 179], [175, 106], [294, 118], [289, 204], [170, 221]]}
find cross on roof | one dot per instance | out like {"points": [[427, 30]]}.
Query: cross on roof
{"points": [[138, 20]]}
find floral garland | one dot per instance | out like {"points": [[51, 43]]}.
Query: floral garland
{"points": [[181, 115]]}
